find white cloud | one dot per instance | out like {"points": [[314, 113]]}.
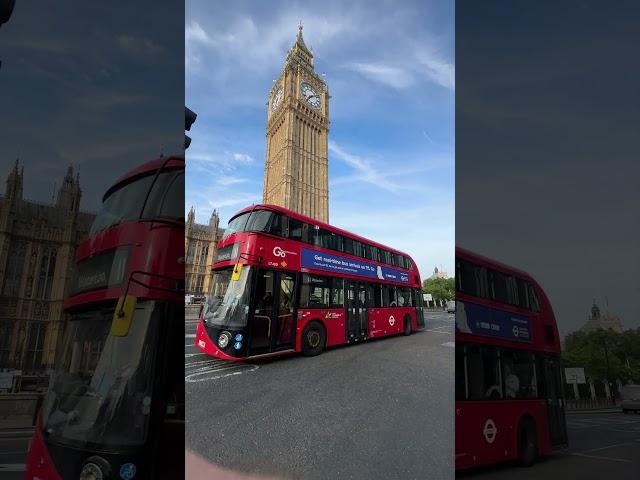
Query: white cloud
{"points": [[241, 199], [436, 69], [394, 77], [243, 157]]}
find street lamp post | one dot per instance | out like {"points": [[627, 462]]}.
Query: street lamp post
{"points": [[6, 9]]}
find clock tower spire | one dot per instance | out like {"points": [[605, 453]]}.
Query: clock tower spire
{"points": [[296, 165]]}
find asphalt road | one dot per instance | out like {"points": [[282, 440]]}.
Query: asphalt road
{"points": [[378, 410], [601, 446], [13, 453]]}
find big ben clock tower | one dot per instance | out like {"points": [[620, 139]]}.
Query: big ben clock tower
{"points": [[296, 167]]}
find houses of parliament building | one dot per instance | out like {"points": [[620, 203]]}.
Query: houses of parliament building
{"points": [[37, 251]]}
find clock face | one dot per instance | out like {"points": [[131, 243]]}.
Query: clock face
{"points": [[310, 95], [276, 100]]}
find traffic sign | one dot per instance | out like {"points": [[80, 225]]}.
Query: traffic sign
{"points": [[575, 375]]}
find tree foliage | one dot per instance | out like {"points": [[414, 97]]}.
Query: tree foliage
{"points": [[605, 354], [440, 288]]}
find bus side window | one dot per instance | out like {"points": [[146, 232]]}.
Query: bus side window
{"points": [[533, 299], [389, 296], [483, 370], [295, 229], [523, 293], [276, 226], [348, 245], [461, 385], [337, 293], [377, 295]]}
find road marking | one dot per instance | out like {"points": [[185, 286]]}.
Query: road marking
{"points": [[598, 457], [214, 369], [189, 335], [438, 331], [604, 448], [448, 344], [13, 467]]}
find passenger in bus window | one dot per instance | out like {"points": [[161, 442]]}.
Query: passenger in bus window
{"points": [[511, 381]]}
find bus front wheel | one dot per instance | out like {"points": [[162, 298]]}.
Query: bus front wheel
{"points": [[313, 339], [528, 443]]}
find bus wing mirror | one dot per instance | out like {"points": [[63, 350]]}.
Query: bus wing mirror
{"points": [[123, 316], [237, 270]]}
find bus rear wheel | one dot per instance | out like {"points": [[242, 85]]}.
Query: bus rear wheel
{"points": [[407, 326], [527, 444], [313, 339]]}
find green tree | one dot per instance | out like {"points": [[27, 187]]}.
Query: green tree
{"points": [[440, 288], [605, 354]]}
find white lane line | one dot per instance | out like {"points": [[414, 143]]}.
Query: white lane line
{"points": [[609, 446], [201, 375], [599, 457], [449, 344], [189, 335]]}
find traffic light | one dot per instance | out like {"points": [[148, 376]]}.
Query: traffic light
{"points": [[189, 118], [6, 9]]}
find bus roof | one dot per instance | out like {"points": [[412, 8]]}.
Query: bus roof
{"points": [[172, 161], [326, 226], [474, 257]]}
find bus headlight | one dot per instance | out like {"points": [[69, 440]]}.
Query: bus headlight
{"points": [[224, 339], [95, 468]]}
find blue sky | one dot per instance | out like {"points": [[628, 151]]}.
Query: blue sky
{"points": [[389, 68]]}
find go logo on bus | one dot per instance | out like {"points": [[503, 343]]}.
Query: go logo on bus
{"points": [[490, 431], [278, 252]]}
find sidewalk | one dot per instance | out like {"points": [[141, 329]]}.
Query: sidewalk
{"points": [[16, 427]]}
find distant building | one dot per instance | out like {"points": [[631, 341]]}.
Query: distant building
{"points": [[200, 247], [438, 274], [605, 321], [38, 243]]}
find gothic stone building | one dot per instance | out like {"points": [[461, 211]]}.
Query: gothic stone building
{"points": [[200, 247], [37, 251], [296, 166]]}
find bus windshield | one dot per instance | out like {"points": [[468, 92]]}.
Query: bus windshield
{"points": [[101, 389], [229, 304], [124, 204]]}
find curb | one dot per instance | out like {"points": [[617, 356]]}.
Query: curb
{"points": [[595, 410]]}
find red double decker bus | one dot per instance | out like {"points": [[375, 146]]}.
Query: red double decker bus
{"points": [[115, 406], [509, 381], [284, 282]]}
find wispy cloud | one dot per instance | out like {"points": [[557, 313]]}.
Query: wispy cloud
{"points": [[365, 170], [394, 77], [437, 69]]}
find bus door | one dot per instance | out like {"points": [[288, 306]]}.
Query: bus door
{"points": [[273, 321], [357, 312], [555, 402]]}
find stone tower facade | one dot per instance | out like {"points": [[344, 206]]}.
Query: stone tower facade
{"points": [[37, 260], [296, 168], [200, 242]]}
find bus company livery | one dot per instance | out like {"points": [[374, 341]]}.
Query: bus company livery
{"points": [[115, 406], [284, 282], [509, 384]]}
